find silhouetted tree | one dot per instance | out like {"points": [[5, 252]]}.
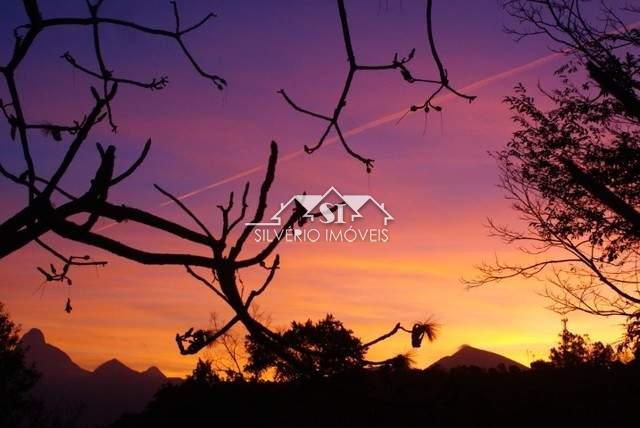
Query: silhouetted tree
{"points": [[572, 351], [602, 355], [631, 342], [16, 377], [52, 209], [575, 351], [329, 349], [326, 348], [229, 355], [572, 171], [203, 374]]}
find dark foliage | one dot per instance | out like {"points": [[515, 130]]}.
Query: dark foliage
{"points": [[325, 348], [577, 351], [571, 170], [631, 342], [465, 396], [203, 374], [16, 377], [583, 384]]}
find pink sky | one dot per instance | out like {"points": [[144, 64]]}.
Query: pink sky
{"points": [[437, 181]]}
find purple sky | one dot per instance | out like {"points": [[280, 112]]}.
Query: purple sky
{"points": [[434, 173]]}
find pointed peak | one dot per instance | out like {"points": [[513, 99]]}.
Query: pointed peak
{"points": [[155, 372], [33, 337], [467, 355], [113, 362], [469, 347], [111, 366]]}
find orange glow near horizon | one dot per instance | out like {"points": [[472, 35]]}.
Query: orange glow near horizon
{"points": [[432, 172]]}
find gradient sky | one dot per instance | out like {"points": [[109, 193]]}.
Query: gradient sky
{"points": [[433, 174]]}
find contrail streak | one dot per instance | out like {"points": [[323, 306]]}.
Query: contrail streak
{"points": [[366, 126], [378, 122]]}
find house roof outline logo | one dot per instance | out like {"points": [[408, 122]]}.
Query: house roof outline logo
{"points": [[309, 202]]}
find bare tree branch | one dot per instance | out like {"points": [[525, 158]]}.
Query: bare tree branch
{"points": [[333, 120]]}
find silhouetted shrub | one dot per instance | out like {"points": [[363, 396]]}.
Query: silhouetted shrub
{"points": [[325, 348], [16, 378]]}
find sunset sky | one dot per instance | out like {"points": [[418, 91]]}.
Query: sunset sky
{"points": [[433, 173]]}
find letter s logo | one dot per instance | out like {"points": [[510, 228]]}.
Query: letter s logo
{"points": [[325, 210], [330, 216]]}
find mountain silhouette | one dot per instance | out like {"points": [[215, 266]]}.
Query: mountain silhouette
{"points": [[73, 395], [154, 373], [470, 356], [49, 360], [114, 368]]}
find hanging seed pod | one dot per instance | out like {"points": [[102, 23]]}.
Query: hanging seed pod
{"points": [[417, 334], [419, 330]]}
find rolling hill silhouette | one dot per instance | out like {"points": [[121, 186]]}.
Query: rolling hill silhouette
{"points": [[72, 394], [83, 398], [470, 356]]}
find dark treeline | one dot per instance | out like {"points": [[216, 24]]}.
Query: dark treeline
{"points": [[466, 396], [581, 383]]}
